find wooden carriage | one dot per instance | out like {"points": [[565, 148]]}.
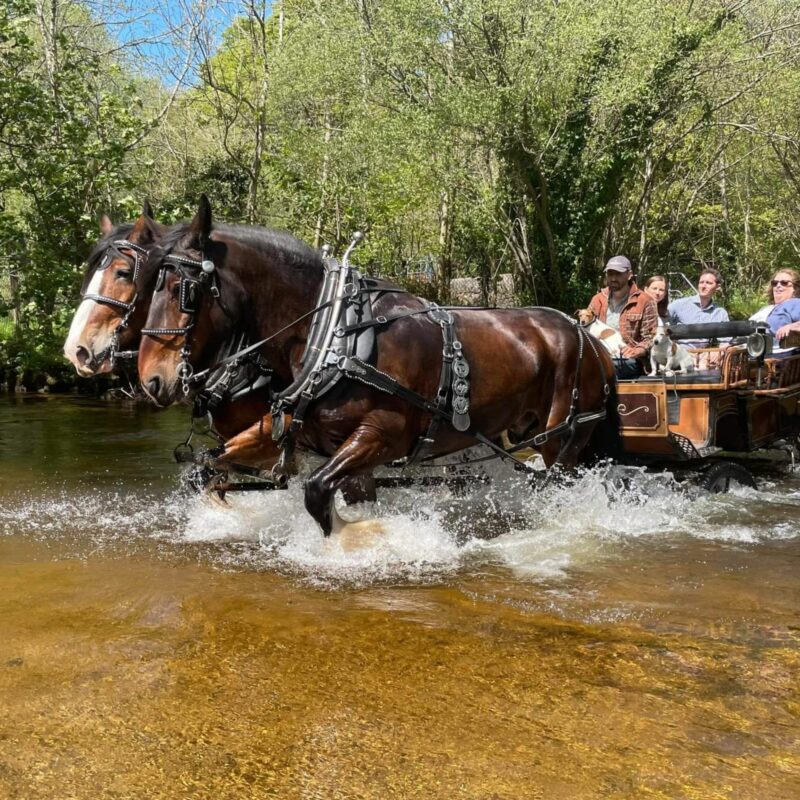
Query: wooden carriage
{"points": [[744, 408]]}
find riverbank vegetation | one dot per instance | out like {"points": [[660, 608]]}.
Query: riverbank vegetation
{"points": [[468, 139]]}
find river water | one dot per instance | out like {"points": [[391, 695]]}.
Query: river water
{"points": [[585, 642]]}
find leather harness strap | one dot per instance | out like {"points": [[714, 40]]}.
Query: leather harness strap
{"points": [[371, 376]]}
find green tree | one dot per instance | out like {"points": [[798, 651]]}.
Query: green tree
{"points": [[70, 117]]}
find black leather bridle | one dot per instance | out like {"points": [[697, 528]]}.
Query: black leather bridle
{"points": [[190, 293], [113, 352]]}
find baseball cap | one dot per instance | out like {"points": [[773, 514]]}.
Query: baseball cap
{"points": [[618, 264]]}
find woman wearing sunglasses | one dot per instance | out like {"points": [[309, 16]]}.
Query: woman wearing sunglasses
{"points": [[783, 313]]}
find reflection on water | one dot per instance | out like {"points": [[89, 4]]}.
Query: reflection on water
{"points": [[583, 642]]}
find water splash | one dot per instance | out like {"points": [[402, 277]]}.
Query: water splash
{"points": [[429, 534]]}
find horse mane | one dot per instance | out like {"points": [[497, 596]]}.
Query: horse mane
{"points": [[271, 241]]}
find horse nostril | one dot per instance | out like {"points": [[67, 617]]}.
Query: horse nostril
{"points": [[154, 386], [82, 355]]}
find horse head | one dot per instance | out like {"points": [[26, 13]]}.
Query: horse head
{"points": [[117, 276], [197, 303], [219, 283]]}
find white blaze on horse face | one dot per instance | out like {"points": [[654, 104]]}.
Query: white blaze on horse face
{"points": [[77, 336]]}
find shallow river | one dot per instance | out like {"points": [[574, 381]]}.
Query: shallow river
{"points": [[582, 643]]}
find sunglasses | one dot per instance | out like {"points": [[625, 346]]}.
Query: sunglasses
{"points": [[782, 283]]}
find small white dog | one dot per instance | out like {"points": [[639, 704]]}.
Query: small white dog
{"points": [[669, 355], [612, 340]]}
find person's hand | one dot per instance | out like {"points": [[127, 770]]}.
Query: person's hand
{"points": [[785, 330], [632, 351]]}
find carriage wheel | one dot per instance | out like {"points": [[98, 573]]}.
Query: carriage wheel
{"points": [[718, 478]]}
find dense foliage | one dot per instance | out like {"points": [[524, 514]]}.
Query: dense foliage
{"points": [[467, 138]]}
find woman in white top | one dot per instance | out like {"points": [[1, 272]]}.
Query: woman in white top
{"points": [[782, 308]]}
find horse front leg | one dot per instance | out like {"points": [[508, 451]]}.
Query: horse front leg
{"points": [[252, 447], [364, 450], [251, 451]]}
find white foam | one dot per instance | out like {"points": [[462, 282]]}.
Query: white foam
{"points": [[413, 544], [429, 534]]}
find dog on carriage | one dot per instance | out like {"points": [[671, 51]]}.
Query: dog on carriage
{"points": [[669, 356], [611, 339]]}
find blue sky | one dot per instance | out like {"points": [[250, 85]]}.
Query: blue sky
{"points": [[155, 35]]}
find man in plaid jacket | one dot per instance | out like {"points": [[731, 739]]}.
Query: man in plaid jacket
{"points": [[629, 310]]}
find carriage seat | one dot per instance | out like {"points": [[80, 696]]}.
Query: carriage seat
{"points": [[782, 372], [700, 378], [706, 358]]}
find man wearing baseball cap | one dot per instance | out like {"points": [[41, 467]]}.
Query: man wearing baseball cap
{"points": [[632, 312]]}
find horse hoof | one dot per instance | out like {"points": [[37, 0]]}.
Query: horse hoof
{"points": [[358, 535], [353, 536], [218, 499]]}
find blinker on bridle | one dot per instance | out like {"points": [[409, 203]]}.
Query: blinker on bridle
{"points": [[138, 253], [189, 291]]}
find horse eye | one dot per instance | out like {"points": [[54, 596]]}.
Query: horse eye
{"points": [[125, 274], [176, 287]]}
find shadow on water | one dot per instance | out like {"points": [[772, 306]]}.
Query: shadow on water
{"points": [[581, 642]]}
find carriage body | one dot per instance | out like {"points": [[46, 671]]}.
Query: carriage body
{"points": [[746, 411]]}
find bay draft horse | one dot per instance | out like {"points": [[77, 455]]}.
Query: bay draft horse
{"points": [[116, 292], [524, 362]]}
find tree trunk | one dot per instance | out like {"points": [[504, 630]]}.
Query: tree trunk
{"points": [[318, 228], [47, 16], [445, 261], [648, 177], [255, 171], [16, 306]]}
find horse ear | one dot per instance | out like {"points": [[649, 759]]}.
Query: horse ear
{"points": [[147, 210], [106, 225], [142, 231], [200, 226]]}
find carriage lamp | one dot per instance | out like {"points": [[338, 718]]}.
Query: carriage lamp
{"points": [[759, 345]]}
